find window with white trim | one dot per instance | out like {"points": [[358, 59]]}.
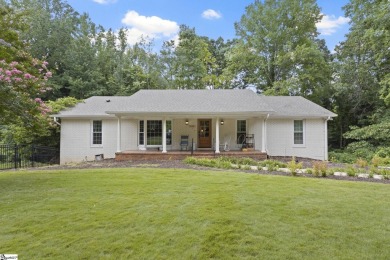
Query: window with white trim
{"points": [[97, 132], [141, 134], [154, 131], [241, 131], [298, 132]]}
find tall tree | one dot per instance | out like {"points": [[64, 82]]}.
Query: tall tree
{"points": [[277, 50], [193, 68], [22, 78], [362, 75]]}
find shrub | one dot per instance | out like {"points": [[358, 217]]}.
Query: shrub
{"points": [[361, 149], [201, 161], [247, 161], [380, 161], [272, 165], [384, 172], [383, 152], [216, 163], [351, 171], [342, 157], [361, 163], [320, 168], [293, 166], [245, 167]]}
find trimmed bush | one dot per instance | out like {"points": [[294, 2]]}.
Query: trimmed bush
{"points": [[272, 165], [320, 168], [293, 166], [361, 163]]}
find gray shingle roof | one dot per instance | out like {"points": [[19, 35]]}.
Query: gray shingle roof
{"points": [[195, 102], [294, 106]]}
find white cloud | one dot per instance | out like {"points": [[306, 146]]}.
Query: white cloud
{"points": [[211, 14], [148, 27], [329, 24], [103, 2]]}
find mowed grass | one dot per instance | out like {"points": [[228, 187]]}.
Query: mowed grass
{"points": [[187, 214]]}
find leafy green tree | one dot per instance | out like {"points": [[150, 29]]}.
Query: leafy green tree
{"points": [[23, 80], [47, 134], [143, 56], [10, 23], [81, 76], [362, 76], [194, 64], [277, 50], [168, 60]]}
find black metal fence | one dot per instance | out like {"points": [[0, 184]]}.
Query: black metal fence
{"points": [[23, 156]]}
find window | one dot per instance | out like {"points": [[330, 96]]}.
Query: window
{"points": [[169, 132], [154, 132], [241, 131], [97, 135], [298, 132], [141, 135]]}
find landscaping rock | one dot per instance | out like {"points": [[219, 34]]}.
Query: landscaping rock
{"points": [[235, 166], [378, 177], [254, 168], [384, 167], [302, 171], [363, 175], [343, 174], [265, 168], [286, 170]]}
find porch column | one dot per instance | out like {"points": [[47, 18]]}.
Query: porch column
{"points": [[264, 136], [164, 137], [217, 135], [119, 133], [326, 139]]}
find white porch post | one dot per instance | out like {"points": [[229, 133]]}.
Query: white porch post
{"points": [[164, 137], [264, 135], [217, 135], [119, 133], [326, 139]]}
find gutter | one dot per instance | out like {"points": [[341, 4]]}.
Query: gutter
{"points": [[55, 121]]}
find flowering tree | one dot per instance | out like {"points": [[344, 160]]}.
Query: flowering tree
{"points": [[20, 89]]}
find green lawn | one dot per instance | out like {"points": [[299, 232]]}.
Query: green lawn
{"points": [[187, 214]]}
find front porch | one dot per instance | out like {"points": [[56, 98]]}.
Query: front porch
{"points": [[180, 155]]}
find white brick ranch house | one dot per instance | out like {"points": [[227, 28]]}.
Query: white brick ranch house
{"points": [[216, 120]]}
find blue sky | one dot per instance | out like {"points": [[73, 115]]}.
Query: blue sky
{"points": [[160, 19]]}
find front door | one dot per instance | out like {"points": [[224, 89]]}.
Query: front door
{"points": [[204, 133]]}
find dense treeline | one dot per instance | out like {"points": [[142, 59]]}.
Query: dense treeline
{"points": [[277, 51]]}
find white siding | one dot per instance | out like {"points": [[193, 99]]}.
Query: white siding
{"points": [[255, 126], [76, 139], [280, 138], [180, 128], [129, 135]]}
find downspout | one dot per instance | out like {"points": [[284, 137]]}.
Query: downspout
{"points": [[326, 138], [55, 121]]}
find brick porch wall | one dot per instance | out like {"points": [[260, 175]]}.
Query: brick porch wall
{"points": [[180, 155]]}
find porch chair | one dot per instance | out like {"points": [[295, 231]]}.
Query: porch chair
{"points": [[241, 141], [226, 143], [184, 142]]}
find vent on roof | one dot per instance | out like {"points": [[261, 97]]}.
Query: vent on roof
{"points": [[107, 100]]}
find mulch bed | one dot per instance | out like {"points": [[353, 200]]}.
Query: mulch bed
{"points": [[178, 164]]}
